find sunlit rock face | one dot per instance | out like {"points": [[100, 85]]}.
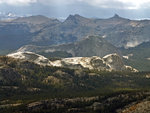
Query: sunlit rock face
{"points": [[111, 62], [114, 61], [83, 62], [30, 56]]}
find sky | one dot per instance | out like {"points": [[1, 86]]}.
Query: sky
{"points": [[132, 9]]}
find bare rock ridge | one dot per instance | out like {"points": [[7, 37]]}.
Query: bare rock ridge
{"points": [[36, 58], [109, 63], [40, 30]]}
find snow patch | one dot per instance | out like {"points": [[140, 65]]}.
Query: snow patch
{"points": [[148, 58], [104, 36], [128, 56], [132, 44]]}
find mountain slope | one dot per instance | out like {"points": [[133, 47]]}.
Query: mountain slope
{"points": [[119, 31], [40, 30], [138, 57], [89, 46], [14, 35], [21, 31]]}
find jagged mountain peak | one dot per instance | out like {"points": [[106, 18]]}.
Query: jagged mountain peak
{"points": [[75, 18], [116, 16]]}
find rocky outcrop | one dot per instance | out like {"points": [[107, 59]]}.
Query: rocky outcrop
{"points": [[109, 62], [116, 63], [36, 58], [142, 106]]}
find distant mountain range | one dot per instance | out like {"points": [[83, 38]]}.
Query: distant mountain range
{"points": [[40, 30], [54, 38]]}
